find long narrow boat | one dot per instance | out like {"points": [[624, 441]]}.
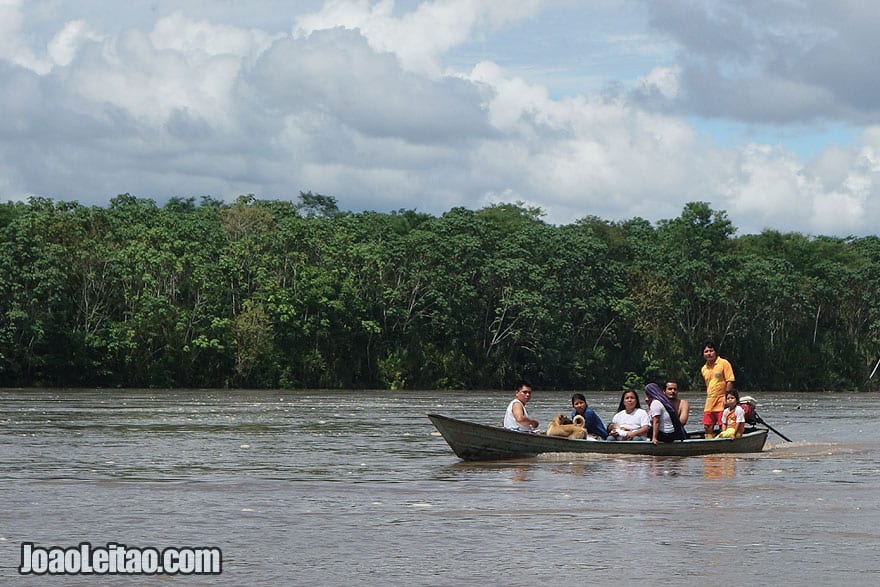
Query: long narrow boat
{"points": [[479, 442]]}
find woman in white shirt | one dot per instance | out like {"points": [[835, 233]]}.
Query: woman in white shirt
{"points": [[631, 422]]}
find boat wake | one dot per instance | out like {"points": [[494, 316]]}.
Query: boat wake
{"points": [[804, 448]]}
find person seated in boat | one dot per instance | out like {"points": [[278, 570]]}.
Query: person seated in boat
{"points": [[592, 422], [682, 407], [516, 417], [665, 423], [631, 422], [733, 419]]}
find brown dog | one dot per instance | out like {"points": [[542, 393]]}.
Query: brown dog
{"points": [[561, 425]]}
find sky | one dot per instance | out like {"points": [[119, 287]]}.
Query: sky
{"points": [[766, 109]]}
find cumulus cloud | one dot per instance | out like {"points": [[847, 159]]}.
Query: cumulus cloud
{"points": [[181, 66], [355, 100], [12, 47], [418, 38], [836, 193], [65, 45], [334, 73], [585, 155], [775, 61], [663, 82]]}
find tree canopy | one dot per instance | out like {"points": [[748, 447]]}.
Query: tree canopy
{"points": [[258, 293]]}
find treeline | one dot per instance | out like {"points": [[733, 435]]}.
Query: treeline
{"points": [[298, 294]]}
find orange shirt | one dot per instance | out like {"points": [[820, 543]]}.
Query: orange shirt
{"points": [[716, 378]]}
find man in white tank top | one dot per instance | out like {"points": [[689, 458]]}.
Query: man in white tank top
{"points": [[516, 417]]}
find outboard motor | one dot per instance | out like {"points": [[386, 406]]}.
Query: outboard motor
{"points": [[748, 404]]}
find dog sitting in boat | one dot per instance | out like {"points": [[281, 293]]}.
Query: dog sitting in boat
{"points": [[562, 425]]}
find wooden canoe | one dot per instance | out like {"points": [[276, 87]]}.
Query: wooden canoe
{"points": [[479, 442]]}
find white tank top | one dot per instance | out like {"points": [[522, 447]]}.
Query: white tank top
{"points": [[510, 421]]}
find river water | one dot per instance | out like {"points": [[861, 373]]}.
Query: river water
{"points": [[336, 488]]}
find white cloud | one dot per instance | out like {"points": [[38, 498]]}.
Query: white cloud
{"points": [[418, 38], [583, 155], [64, 46], [770, 184], [150, 85], [335, 74], [202, 40], [608, 157], [512, 100], [854, 203], [359, 104], [60, 50], [182, 66], [12, 48], [663, 81], [775, 61], [836, 194]]}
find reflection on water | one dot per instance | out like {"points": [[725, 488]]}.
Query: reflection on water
{"points": [[719, 467], [519, 473], [328, 488]]}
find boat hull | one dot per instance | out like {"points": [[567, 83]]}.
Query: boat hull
{"points": [[479, 442]]}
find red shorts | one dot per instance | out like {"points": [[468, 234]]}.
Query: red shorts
{"points": [[712, 418]]}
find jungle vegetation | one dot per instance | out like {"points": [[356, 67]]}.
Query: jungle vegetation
{"points": [[280, 294]]}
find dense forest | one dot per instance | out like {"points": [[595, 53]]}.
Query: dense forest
{"points": [[285, 294]]}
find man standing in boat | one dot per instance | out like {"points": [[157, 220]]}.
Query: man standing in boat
{"points": [[516, 417], [718, 374]]}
